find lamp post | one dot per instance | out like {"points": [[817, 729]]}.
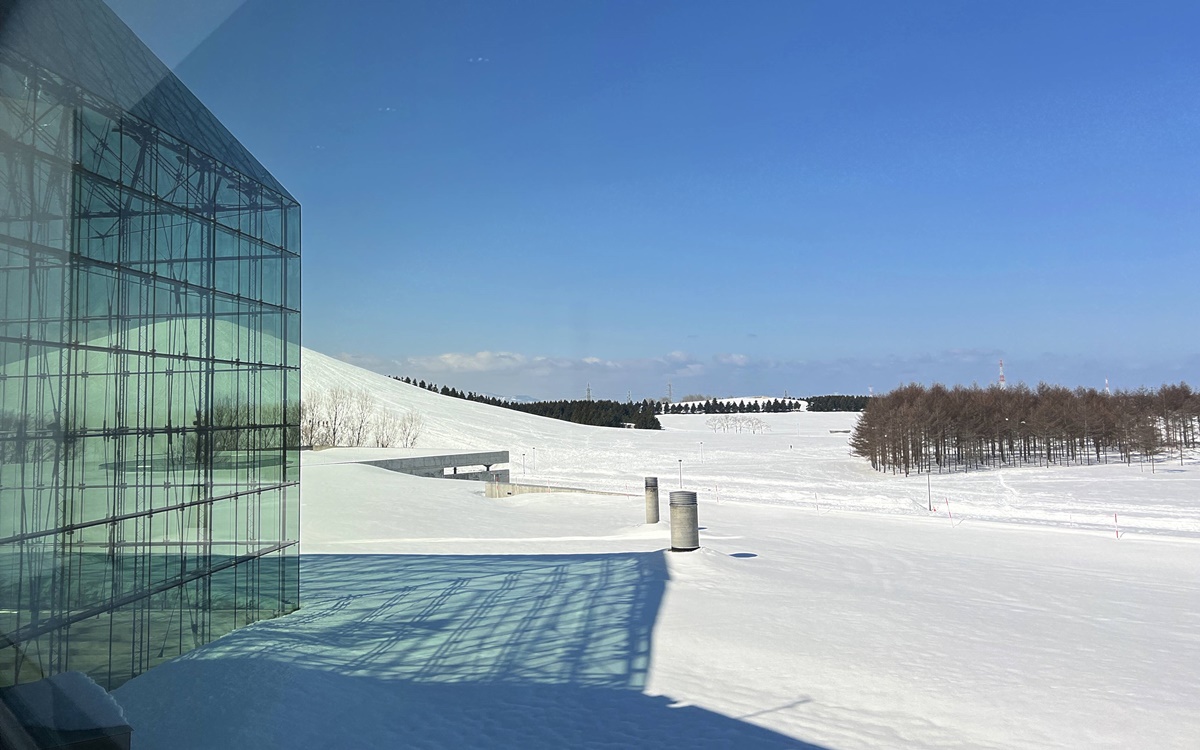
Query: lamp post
{"points": [[522, 464], [681, 473], [701, 451]]}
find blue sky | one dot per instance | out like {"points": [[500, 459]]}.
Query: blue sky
{"points": [[737, 198]]}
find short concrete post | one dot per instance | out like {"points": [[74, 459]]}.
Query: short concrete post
{"points": [[685, 525], [651, 499]]}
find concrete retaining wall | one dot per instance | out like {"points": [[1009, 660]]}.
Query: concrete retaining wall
{"points": [[435, 466]]}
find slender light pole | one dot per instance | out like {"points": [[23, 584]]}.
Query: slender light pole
{"points": [[681, 473], [929, 491], [535, 459], [701, 451], [522, 464]]}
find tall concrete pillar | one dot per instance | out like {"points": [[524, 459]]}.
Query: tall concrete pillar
{"points": [[651, 499], [685, 524]]}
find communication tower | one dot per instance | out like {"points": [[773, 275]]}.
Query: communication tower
{"points": [[1001, 374]]}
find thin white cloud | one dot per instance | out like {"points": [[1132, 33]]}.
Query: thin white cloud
{"points": [[736, 360]]}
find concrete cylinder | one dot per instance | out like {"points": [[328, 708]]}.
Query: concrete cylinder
{"points": [[685, 524], [651, 499]]}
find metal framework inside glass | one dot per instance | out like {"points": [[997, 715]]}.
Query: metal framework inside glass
{"points": [[149, 385]]}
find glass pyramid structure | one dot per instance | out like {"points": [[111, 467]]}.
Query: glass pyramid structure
{"points": [[149, 358]]}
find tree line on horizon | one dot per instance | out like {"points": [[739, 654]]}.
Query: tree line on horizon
{"points": [[916, 428], [838, 403], [600, 413], [775, 406], [714, 406]]}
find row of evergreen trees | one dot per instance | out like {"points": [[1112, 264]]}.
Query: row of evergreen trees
{"points": [[601, 413], [920, 429], [713, 406], [838, 403]]}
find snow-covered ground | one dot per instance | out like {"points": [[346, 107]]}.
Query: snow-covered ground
{"points": [[827, 608]]}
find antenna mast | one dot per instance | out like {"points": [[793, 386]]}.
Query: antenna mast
{"points": [[1002, 386]]}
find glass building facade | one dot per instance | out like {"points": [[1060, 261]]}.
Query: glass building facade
{"points": [[149, 358]]}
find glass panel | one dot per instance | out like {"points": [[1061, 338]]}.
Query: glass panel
{"points": [[250, 208], [52, 124], [201, 187], [228, 197], [291, 288], [250, 273], [16, 104], [16, 195], [226, 262], [51, 203], [172, 166], [99, 144], [292, 236], [137, 230], [271, 266], [272, 221], [137, 150], [99, 220]]}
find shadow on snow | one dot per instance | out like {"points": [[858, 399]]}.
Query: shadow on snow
{"points": [[544, 651]]}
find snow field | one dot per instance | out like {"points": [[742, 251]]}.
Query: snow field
{"points": [[434, 617]]}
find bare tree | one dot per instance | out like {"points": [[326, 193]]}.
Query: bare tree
{"points": [[360, 411], [409, 429], [914, 428], [350, 418]]}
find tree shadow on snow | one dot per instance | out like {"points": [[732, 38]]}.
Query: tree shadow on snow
{"points": [[545, 651]]}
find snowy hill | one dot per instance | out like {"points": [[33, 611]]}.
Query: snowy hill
{"points": [[449, 423]]}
